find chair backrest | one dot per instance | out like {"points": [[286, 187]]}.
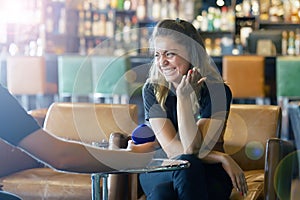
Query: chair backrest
{"points": [[109, 74], [294, 114], [26, 75], [90, 122], [248, 128], [245, 75], [287, 76], [74, 75]]}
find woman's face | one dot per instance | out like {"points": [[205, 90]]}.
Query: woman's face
{"points": [[171, 59]]}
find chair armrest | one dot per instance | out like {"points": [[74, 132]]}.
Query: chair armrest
{"points": [[276, 150]]}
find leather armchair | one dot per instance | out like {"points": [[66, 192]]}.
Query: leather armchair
{"points": [[72, 121], [249, 127]]}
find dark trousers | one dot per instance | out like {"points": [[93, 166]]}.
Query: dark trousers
{"points": [[199, 181]]}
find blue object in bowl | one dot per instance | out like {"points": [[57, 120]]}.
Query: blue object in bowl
{"points": [[142, 134]]}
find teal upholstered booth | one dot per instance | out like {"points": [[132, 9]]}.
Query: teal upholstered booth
{"points": [[74, 77], [287, 86], [109, 77]]}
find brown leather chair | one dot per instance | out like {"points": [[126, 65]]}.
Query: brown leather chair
{"points": [[245, 75], [83, 122], [249, 127]]}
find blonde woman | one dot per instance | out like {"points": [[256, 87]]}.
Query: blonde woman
{"points": [[187, 103]]}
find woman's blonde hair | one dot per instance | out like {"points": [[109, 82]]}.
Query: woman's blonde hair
{"points": [[185, 34]]}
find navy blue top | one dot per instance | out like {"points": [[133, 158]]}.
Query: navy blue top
{"points": [[215, 98], [210, 102], [16, 123]]}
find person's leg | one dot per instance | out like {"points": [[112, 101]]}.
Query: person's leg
{"points": [[191, 183], [157, 185], [163, 191], [219, 183]]}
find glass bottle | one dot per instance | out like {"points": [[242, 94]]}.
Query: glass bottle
{"points": [[297, 42], [156, 10], [284, 43], [141, 10], [291, 43], [204, 21]]}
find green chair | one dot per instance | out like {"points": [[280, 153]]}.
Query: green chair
{"points": [[110, 82], [287, 86], [74, 78]]}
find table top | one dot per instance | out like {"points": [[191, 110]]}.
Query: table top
{"points": [[155, 165]]}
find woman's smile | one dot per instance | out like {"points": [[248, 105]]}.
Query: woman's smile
{"points": [[170, 58], [169, 71]]}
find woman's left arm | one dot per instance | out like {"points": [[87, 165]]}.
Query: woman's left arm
{"points": [[233, 170]]}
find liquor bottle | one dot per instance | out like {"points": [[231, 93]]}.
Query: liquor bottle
{"points": [[120, 4], [156, 10], [113, 4], [102, 4], [81, 23], [62, 21], [204, 22], [88, 23], [297, 42], [217, 19], [127, 30], [119, 30], [291, 43], [217, 50], [284, 43], [189, 10], [208, 45], [246, 6], [172, 7], [164, 9], [102, 25], [224, 21], [95, 24], [110, 25], [149, 8], [134, 29], [127, 5], [49, 19], [210, 17], [141, 10]]}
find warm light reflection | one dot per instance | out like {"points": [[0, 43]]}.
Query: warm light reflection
{"points": [[16, 11], [220, 3]]}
